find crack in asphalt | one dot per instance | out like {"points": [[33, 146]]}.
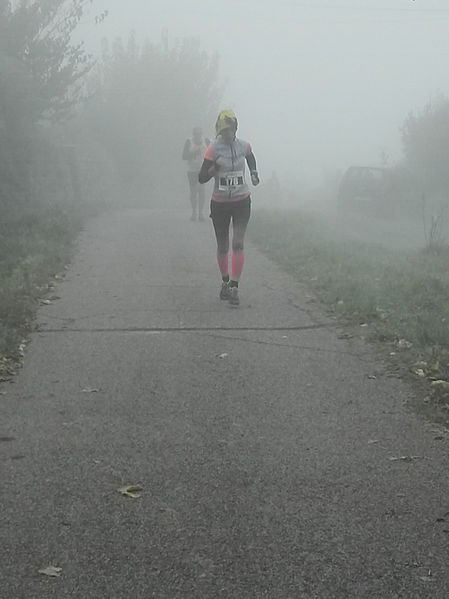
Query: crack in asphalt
{"points": [[212, 330], [181, 329], [359, 356]]}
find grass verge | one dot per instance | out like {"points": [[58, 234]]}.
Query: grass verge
{"points": [[402, 295], [34, 248]]}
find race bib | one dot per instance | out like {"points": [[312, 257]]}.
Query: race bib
{"points": [[231, 181]]}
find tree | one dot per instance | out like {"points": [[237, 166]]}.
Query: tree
{"points": [[425, 138], [37, 35], [41, 77], [144, 101]]}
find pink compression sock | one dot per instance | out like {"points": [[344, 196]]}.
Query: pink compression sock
{"points": [[237, 265], [222, 260]]}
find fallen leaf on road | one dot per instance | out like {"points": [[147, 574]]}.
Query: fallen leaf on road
{"points": [[419, 372], [440, 389], [90, 390], [413, 565], [132, 491], [51, 571], [441, 383], [404, 344]]}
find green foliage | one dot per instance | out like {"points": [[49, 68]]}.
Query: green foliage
{"points": [[425, 137], [401, 294], [44, 182], [36, 40], [34, 246], [144, 101]]}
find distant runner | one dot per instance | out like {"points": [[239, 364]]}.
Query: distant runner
{"points": [[193, 153], [231, 199]]}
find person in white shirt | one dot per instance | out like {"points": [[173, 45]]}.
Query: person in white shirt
{"points": [[194, 149]]}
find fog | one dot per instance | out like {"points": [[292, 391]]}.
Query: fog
{"points": [[316, 85], [200, 409]]}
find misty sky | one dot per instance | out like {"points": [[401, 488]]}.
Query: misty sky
{"points": [[317, 85]]}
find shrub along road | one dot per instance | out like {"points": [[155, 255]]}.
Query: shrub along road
{"points": [[275, 458]]}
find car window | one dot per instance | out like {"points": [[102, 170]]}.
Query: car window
{"points": [[375, 174]]}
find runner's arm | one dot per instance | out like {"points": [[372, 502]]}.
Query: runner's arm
{"points": [[207, 171], [251, 161]]}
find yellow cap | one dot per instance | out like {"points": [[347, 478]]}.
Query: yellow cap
{"points": [[226, 119]]}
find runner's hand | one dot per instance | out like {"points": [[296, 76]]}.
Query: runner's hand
{"points": [[255, 178]]}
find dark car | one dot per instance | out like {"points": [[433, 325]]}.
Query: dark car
{"points": [[365, 186]]}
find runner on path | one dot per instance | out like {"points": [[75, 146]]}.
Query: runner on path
{"points": [[231, 199]]}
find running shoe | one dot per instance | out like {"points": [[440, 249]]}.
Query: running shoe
{"points": [[225, 293], [234, 296]]}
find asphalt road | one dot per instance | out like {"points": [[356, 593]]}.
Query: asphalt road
{"points": [[264, 441]]}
